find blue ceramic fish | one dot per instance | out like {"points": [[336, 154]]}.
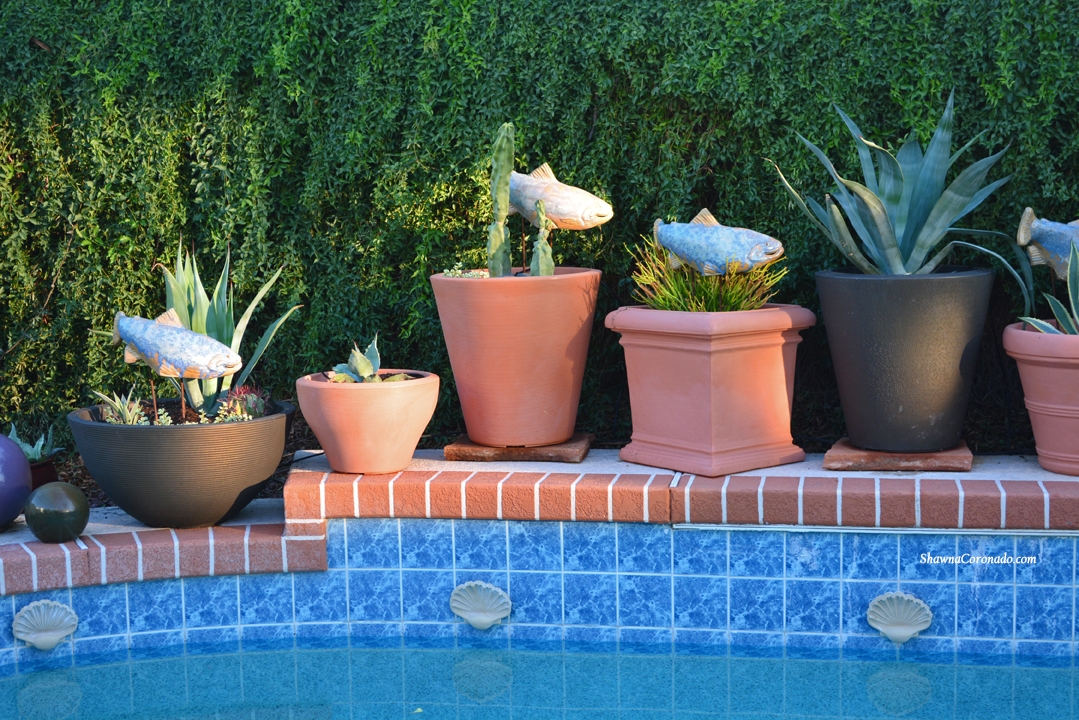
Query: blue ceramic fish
{"points": [[1047, 242], [709, 247], [172, 350]]}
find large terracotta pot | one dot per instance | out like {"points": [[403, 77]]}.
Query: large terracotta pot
{"points": [[368, 427], [1049, 369], [711, 393], [518, 346]]}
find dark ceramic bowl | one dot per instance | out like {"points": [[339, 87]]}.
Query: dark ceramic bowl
{"points": [[181, 475]]}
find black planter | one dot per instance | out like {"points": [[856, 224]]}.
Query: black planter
{"points": [[904, 349], [181, 475]]}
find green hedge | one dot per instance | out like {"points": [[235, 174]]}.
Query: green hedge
{"points": [[347, 141]]}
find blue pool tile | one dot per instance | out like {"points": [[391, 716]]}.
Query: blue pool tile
{"points": [[428, 635], [7, 667], [915, 553], [649, 691], [756, 554], [265, 599], [641, 641], [1055, 562], [700, 686], [374, 595], [155, 605], [802, 646], [928, 650], [591, 682], [373, 543], [985, 546], [700, 552], [644, 548], [7, 616], [1044, 654], [102, 610], [701, 642], [537, 597], [856, 599], [492, 577], [1043, 613], [756, 688], [322, 680], [496, 637], [372, 635], [536, 638], [868, 648], [101, 650], [813, 689], [480, 544], [812, 606], [535, 545], [145, 646], [1040, 694], [644, 600], [870, 557], [940, 597], [588, 547], [756, 605], [272, 681], [427, 544], [158, 686], [756, 645], [379, 676], [813, 555], [984, 652], [700, 602], [591, 639], [322, 636], [425, 596], [321, 596], [60, 596], [257, 638], [211, 641], [211, 601], [590, 599], [985, 611], [336, 556]]}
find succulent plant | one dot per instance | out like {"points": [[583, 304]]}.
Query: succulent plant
{"points": [[243, 403], [1067, 318], [123, 409], [498, 237], [37, 452], [363, 366], [542, 260], [903, 211]]}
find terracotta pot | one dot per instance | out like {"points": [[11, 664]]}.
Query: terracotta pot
{"points": [[518, 346], [368, 427], [43, 472], [1049, 369], [711, 393]]}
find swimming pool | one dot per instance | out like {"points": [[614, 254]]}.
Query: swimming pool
{"points": [[476, 684]]}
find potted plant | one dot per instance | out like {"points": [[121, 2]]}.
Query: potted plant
{"points": [[1047, 354], [198, 460], [366, 419], [39, 455], [710, 363], [902, 327], [518, 341]]}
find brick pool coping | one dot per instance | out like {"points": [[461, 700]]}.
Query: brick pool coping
{"points": [[999, 494]]}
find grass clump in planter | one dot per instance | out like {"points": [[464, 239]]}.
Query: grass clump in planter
{"points": [[663, 287]]}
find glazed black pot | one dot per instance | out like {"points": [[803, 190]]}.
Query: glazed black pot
{"points": [[904, 348], [178, 476]]}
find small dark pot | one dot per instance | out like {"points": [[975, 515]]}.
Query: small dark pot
{"points": [[42, 472], [904, 349], [181, 475]]}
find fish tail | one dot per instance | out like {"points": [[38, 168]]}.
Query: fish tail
{"points": [[1023, 236], [116, 327]]}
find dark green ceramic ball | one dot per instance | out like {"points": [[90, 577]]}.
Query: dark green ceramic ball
{"points": [[57, 512]]}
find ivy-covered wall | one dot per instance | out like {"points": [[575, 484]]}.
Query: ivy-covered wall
{"points": [[348, 141]]}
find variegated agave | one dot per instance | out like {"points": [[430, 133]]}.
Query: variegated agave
{"points": [[1067, 322], [903, 211]]}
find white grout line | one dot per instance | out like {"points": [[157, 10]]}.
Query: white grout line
{"points": [[464, 514], [1003, 504], [356, 496], [67, 563], [81, 544], [498, 507], [573, 498], [1045, 498], [689, 484], [247, 549], [104, 575], [917, 502], [33, 565], [839, 502], [644, 515], [801, 486], [3, 586], [677, 477], [760, 501], [427, 493], [175, 551], [610, 498], [723, 497], [536, 494], [389, 491], [211, 537], [322, 495], [138, 543], [962, 501], [284, 555], [876, 500]]}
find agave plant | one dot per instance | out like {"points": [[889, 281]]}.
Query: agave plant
{"points": [[363, 367], [41, 450], [903, 211], [185, 294], [123, 409], [1067, 318]]}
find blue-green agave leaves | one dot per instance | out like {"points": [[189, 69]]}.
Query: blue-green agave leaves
{"points": [[1067, 317]]}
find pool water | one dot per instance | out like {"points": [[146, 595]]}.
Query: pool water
{"points": [[436, 684]]}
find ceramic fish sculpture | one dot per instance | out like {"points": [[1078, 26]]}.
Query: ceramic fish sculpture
{"points": [[568, 207], [1047, 242], [172, 350], [709, 247]]}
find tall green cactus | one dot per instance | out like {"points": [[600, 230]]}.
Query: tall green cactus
{"points": [[542, 260], [498, 245]]}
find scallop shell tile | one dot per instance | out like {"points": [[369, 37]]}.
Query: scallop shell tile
{"points": [[899, 616], [480, 604], [44, 623]]}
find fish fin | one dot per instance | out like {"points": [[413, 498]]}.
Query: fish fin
{"points": [[192, 373], [164, 369], [131, 355], [512, 210], [676, 262], [1023, 236], [655, 230], [1036, 256], [116, 327], [169, 317], [704, 217], [543, 172], [710, 270]]}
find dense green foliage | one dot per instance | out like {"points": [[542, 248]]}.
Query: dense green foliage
{"points": [[349, 141]]}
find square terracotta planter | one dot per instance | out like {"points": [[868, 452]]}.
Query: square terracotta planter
{"points": [[711, 393]]}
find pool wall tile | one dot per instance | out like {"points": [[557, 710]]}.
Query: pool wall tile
{"points": [[210, 601], [321, 636], [373, 543], [480, 544], [267, 637], [374, 595], [535, 546], [156, 605], [700, 602], [756, 554], [427, 544], [536, 597], [644, 600], [591, 639], [425, 595], [149, 645], [336, 552], [102, 610], [208, 641], [812, 555], [589, 547], [644, 548], [264, 599], [101, 650], [321, 597]]}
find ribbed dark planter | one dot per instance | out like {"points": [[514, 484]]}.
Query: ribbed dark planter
{"points": [[904, 349], [182, 475]]}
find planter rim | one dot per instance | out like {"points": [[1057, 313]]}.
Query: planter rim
{"points": [[425, 379], [955, 271], [559, 272], [1025, 342], [281, 407], [771, 317]]}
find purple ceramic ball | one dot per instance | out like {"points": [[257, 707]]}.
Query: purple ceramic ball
{"points": [[14, 480]]}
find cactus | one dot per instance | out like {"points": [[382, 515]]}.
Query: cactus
{"points": [[542, 260], [498, 245], [243, 403]]}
